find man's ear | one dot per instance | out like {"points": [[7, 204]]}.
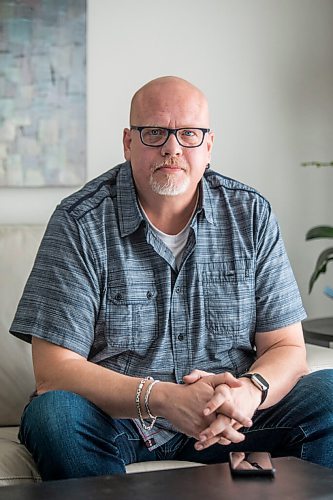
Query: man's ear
{"points": [[127, 143], [210, 141]]}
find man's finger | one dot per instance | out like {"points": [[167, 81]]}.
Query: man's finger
{"points": [[224, 441], [221, 426], [228, 436], [227, 408], [214, 403], [200, 445], [232, 435], [226, 378], [210, 442], [195, 375]]}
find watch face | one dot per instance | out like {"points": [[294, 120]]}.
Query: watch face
{"points": [[260, 381]]}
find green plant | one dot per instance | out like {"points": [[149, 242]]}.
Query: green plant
{"points": [[320, 232], [325, 256]]}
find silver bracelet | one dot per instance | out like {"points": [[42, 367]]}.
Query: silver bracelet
{"points": [[147, 402], [138, 406]]}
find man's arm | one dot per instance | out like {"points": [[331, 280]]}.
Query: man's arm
{"points": [[281, 360], [57, 368]]}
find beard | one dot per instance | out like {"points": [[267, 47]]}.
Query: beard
{"points": [[169, 185]]}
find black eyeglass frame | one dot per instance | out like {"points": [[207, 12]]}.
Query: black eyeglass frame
{"points": [[171, 131]]}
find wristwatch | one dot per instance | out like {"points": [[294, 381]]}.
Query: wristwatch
{"points": [[259, 382]]}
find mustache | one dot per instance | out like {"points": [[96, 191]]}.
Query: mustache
{"points": [[171, 162]]}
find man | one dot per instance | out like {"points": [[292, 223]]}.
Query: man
{"points": [[163, 313]]}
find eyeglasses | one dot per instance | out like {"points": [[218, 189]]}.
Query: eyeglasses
{"points": [[156, 137]]}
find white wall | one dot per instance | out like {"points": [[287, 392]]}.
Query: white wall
{"points": [[267, 69]]}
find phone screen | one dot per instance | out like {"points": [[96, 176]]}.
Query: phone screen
{"points": [[256, 463]]}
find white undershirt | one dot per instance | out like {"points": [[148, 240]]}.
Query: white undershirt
{"points": [[175, 242]]}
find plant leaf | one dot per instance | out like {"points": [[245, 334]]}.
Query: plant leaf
{"points": [[319, 232], [317, 164], [328, 291], [321, 264]]}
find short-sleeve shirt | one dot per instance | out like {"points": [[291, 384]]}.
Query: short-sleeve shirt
{"points": [[105, 286]]}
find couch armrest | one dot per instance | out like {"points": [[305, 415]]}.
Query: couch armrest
{"points": [[319, 358]]}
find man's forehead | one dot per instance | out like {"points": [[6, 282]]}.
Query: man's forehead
{"points": [[168, 96]]}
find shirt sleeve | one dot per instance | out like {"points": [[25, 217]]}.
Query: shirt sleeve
{"points": [[60, 301], [278, 301]]}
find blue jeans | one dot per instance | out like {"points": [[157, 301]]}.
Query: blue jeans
{"points": [[68, 436]]}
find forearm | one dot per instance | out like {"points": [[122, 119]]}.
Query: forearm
{"points": [[114, 393], [282, 366], [281, 360], [57, 368]]}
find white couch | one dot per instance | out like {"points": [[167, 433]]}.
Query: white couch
{"points": [[18, 247]]}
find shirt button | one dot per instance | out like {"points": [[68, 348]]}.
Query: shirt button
{"points": [[180, 337], [118, 296], [177, 289], [149, 295]]}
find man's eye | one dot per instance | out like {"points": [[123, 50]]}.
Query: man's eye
{"points": [[188, 133], [156, 131]]}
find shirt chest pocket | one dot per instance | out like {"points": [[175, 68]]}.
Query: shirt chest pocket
{"points": [[132, 319], [229, 299]]}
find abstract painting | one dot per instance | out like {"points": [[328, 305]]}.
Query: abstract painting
{"points": [[42, 93]]}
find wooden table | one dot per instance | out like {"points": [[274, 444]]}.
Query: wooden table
{"points": [[294, 480]]}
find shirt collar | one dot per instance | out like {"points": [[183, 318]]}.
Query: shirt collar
{"points": [[205, 204], [130, 216]]}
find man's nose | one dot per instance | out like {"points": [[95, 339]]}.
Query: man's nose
{"points": [[171, 147]]}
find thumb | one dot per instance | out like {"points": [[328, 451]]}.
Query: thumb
{"points": [[195, 375], [225, 378]]}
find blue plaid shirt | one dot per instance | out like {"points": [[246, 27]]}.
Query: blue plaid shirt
{"points": [[105, 286]]}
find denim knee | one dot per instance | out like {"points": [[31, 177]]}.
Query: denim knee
{"points": [[318, 447], [50, 429], [53, 413], [318, 389], [68, 436]]}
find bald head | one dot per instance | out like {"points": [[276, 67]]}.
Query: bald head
{"points": [[165, 93], [170, 168]]}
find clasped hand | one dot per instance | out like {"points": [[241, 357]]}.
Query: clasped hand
{"points": [[230, 408]]}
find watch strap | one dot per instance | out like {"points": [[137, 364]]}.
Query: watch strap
{"points": [[259, 381]]}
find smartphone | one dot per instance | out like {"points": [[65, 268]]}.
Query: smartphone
{"points": [[251, 463]]}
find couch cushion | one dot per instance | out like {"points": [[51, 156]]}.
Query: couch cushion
{"points": [[160, 465], [18, 248], [16, 464]]}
